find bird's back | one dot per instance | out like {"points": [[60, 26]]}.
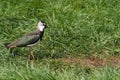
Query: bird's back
{"points": [[29, 39]]}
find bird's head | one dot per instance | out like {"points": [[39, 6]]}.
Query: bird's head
{"points": [[41, 25]]}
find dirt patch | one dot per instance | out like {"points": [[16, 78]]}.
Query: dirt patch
{"points": [[93, 61]]}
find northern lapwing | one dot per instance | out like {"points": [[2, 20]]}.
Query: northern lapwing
{"points": [[30, 39]]}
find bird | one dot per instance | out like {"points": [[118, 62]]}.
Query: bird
{"points": [[29, 40]]}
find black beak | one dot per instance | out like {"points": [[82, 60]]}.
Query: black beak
{"points": [[45, 25]]}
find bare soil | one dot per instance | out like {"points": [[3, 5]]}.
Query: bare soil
{"points": [[93, 61]]}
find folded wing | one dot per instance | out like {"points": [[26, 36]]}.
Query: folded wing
{"points": [[29, 39]]}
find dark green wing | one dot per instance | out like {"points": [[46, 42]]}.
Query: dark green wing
{"points": [[31, 38], [27, 40]]}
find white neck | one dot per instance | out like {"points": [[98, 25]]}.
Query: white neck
{"points": [[41, 28]]}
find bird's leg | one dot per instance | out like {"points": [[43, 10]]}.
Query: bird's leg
{"points": [[29, 53], [33, 56], [32, 53]]}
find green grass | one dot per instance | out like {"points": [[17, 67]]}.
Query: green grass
{"points": [[23, 71], [75, 28]]}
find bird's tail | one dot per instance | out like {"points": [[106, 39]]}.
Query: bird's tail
{"points": [[6, 45]]}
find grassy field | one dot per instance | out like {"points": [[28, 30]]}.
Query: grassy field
{"points": [[76, 28]]}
